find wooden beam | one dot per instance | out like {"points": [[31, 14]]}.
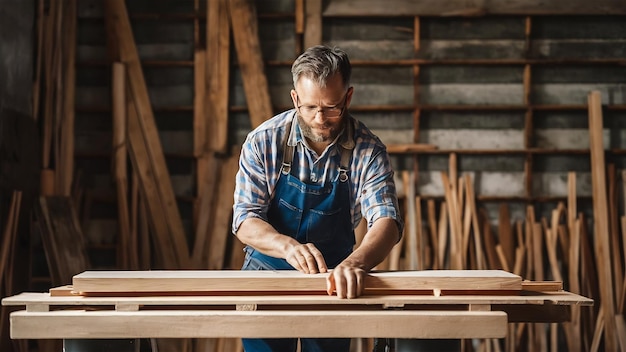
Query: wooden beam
{"points": [[63, 239], [127, 244], [246, 36], [223, 212], [163, 245], [600, 220], [65, 163], [147, 132], [266, 324], [200, 114], [218, 73], [312, 23], [472, 8]]}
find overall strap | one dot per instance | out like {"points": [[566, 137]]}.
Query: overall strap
{"points": [[285, 169], [347, 146]]}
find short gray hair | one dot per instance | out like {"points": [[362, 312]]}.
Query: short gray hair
{"points": [[319, 63]]}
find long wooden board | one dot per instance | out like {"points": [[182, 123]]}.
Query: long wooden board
{"points": [[43, 301], [94, 282], [266, 324]]}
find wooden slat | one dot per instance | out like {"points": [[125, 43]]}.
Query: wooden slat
{"points": [[65, 164], [600, 220], [432, 230], [246, 37], [312, 23], [472, 8], [163, 247], [62, 237], [222, 212], [218, 73], [266, 324], [410, 253], [549, 293], [614, 233], [206, 211], [127, 243], [409, 148], [200, 113], [286, 281], [9, 242], [147, 131], [505, 235], [490, 243]]}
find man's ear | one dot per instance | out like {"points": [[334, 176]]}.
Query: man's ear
{"points": [[294, 98], [349, 96]]}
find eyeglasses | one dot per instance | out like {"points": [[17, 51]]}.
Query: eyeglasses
{"points": [[330, 112]]}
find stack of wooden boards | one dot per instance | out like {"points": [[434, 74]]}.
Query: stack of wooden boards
{"points": [[216, 304]]}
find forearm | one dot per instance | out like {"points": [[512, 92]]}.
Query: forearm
{"points": [[263, 237], [376, 245]]}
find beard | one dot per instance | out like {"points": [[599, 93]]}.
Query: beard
{"points": [[331, 131]]}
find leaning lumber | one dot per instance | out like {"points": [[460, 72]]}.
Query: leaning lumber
{"points": [[218, 72], [600, 220], [63, 240], [246, 34], [147, 135]]}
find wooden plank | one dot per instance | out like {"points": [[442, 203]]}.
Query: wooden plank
{"points": [[490, 243], [505, 235], [432, 230], [410, 253], [600, 220], [218, 73], [163, 247], [456, 261], [312, 23], [65, 164], [537, 252], [620, 324], [614, 233], [127, 243], [64, 243], [546, 293], [471, 8], [7, 233], [222, 212], [409, 148], [200, 113], [206, 211], [286, 281], [117, 14], [478, 246], [443, 235], [266, 324], [246, 37], [542, 286]]}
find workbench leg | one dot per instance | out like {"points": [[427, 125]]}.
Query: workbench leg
{"points": [[101, 345]]}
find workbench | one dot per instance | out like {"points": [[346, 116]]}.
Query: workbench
{"points": [[409, 307]]}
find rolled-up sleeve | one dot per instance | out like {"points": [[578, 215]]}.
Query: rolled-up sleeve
{"points": [[251, 189], [378, 192]]}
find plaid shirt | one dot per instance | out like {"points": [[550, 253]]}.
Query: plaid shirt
{"points": [[371, 176]]}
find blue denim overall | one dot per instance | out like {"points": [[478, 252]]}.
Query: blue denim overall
{"points": [[311, 214]]}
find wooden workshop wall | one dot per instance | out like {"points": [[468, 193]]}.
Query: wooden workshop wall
{"points": [[504, 94]]}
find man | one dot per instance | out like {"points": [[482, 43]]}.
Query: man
{"points": [[306, 177]]}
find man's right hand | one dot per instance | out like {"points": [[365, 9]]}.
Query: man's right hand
{"points": [[306, 258]]}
